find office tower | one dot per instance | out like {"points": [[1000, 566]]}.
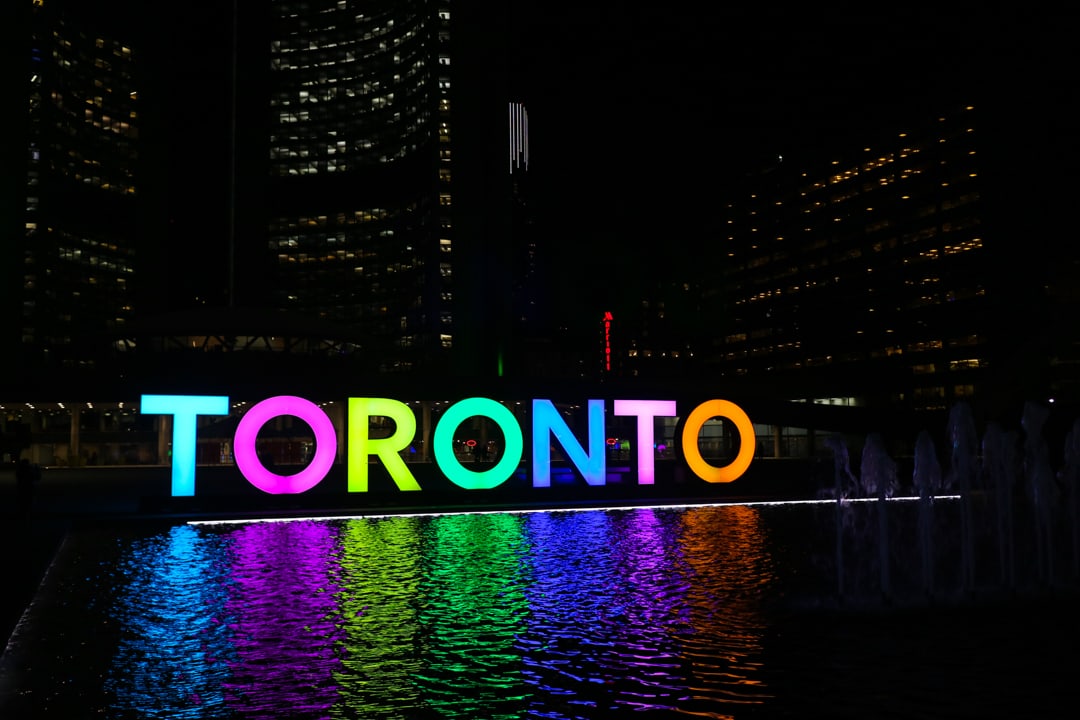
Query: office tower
{"points": [[867, 272], [905, 270], [313, 179], [361, 159], [70, 179]]}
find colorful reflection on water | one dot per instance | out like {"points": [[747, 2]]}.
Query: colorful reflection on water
{"points": [[545, 615], [174, 653], [712, 612]]}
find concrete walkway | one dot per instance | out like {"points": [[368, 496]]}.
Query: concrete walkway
{"points": [[32, 534], [30, 541]]}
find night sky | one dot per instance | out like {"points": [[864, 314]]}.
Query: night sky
{"points": [[641, 116], [676, 88]]}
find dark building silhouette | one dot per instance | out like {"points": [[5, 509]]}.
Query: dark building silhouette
{"points": [[323, 180], [356, 186], [361, 160], [70, 185], [893, 269]]}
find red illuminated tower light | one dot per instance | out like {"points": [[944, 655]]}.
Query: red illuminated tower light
{"points": [[607, 341]]}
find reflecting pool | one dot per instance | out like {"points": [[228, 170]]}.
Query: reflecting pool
{"points": [[692, 611]]}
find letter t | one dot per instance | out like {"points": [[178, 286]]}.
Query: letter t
{"points": [[645, 411], [184, 409]]}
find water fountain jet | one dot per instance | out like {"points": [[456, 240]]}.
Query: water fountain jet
{"points": [[878, 478], [844, 480], [1040, 487], [927, 481], [1000, 473], [1070, 481], [962, 439]]}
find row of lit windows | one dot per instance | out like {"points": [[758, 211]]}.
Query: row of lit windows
{"points": [[295, 150], [103, 183], [884, 181], [123, 104], [867, 167], [299, 166], [915, 301], [884, 160], [76, 255], [324, 88], [337, 40], [369, 93], [922, 395], [111, 124], [336, 93], [99, 65], [102, 121], [922, 212], [96, 245], [951, 249], [75, 55], [952, 365], [869, 188], [332, 117], [350, 79], [912, 303], [343, 105], [855, 253], [342, 256], [308, 50], [311, 240], [366, 215], [297, 159], [946, 297], [321, 57], [112, 288]]}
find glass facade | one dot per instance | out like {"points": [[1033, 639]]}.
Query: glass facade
{"points": [[868, 265], [360, 153], [78, 249]]}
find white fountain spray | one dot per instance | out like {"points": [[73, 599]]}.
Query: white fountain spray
{"points": [[1040, 487], [844, 480], [1070, 481], [878, 476], [999, 474], [963, 442], [927, 481]]}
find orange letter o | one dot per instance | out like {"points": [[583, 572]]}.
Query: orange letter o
{"points": [[747, 441]]}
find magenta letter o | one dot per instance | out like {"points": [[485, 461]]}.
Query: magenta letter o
{"points": [[248, 430]]}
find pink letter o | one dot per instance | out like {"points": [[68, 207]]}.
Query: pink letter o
{"points": [[248, 430]]}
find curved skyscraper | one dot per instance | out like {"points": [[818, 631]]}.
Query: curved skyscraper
{"points": [[324, 179], [360, 166]]}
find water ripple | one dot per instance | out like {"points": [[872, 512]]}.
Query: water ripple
{"points": [[546, 615]]}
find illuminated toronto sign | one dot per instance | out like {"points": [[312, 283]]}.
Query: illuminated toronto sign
{"points": [[589, 459]]}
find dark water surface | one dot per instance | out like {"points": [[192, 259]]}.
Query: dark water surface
{"points": [[715, 612]]}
